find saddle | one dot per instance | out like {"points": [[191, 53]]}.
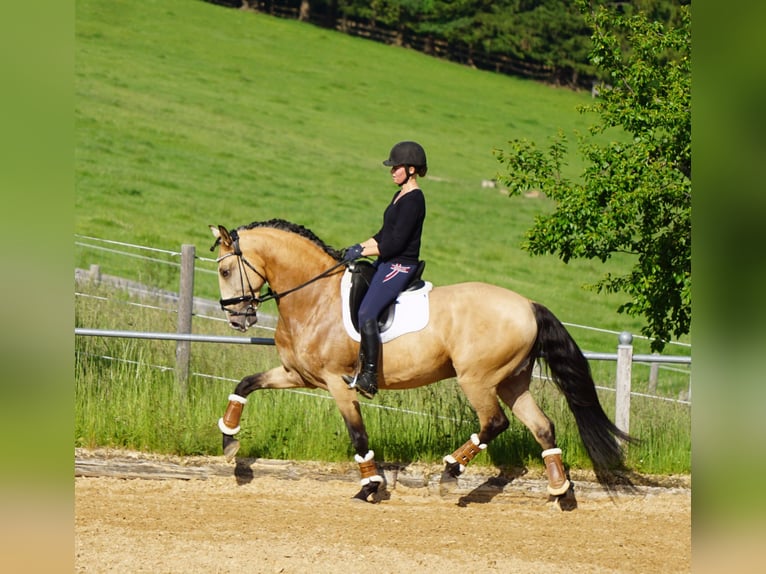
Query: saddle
{"points": [[361, 276]]}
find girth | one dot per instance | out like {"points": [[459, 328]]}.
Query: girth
{"points": [[361, 276]]}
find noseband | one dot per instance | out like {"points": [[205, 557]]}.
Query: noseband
{"points": [[252, 299]]}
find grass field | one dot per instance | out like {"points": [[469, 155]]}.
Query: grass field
{"points": [[189, 114]]}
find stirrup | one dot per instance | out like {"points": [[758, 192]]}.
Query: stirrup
{"points": [[350, 381], [367, 392]]}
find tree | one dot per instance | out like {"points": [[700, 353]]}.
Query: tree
{"points": [[635, 194]]}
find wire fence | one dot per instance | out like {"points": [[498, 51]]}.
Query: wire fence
{"points": [[94, 241], [209, 310]]}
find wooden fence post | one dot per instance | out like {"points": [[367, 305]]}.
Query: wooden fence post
{"points": [[185, 309], [622, 386]]}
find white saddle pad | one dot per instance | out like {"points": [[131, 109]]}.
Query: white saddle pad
{"points": [[411, 311]]}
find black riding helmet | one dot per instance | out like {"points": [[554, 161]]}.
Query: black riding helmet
{"points": [[408, 153]]}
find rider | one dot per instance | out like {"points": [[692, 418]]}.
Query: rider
{"points": [[397, 247]]}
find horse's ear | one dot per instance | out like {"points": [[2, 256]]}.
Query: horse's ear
{"points": [[221, 234]]}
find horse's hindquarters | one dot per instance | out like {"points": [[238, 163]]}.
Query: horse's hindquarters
{"points": [[475, 330], [484, 328]]}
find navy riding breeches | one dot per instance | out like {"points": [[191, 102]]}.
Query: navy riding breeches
{"points": [[389, 280]]}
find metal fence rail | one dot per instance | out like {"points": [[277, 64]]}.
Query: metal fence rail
{"points": [[175, 337]]}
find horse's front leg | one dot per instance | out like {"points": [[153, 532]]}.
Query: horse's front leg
{"points": [[348, 404], [277, 378]]}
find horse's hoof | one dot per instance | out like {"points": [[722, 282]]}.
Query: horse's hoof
{"points": [[567, 501], [447, 483], [230, 447], [367, 493]]}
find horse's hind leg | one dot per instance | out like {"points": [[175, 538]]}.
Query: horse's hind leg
{"points": [[515, 393], [228, 424], [492, 421]]}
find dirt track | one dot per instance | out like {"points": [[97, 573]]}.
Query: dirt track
{"points": [[207, 516]]}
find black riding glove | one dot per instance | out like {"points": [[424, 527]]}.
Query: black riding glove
{"points": [[352, 253]]}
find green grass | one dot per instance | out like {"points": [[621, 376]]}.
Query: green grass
{"points": [[189, 114]]}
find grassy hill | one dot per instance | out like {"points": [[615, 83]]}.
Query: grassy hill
{"points": [[189, 114]]}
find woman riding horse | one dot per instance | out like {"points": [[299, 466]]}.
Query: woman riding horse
{"points": [[397, 246]]}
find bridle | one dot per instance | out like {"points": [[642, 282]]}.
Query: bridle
{"points": [[251, 298]]}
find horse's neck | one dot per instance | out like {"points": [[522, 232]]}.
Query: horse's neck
{"points": [[306, 297], [292, 261]]}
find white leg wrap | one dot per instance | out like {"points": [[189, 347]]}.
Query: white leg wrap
{"points": [[226, 430], [365, 459], [238, 399], [366, 481], [475, 440], [369, 456], [449, 459], [551, 451]]}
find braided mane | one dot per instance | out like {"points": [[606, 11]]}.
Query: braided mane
{"points": [[299, 230]]}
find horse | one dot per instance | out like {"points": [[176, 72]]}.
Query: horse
{"points": [[491, 351]]}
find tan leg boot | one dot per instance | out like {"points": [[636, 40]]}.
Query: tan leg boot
{"points": [[229, 422], [558, 483], [462, 456]]}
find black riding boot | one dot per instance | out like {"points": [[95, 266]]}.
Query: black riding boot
{"points": [[369, 353]]}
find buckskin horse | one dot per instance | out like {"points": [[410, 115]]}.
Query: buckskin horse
{"points": [[491, 350]]}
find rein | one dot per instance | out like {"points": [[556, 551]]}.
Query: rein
{"points": [[252, 299]]}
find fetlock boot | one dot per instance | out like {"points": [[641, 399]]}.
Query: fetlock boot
{"points": [[366, 382], [558, 483]]}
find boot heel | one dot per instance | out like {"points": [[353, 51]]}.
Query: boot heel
{"points": [[367, 389]]}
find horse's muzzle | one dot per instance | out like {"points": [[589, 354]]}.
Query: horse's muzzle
{"points": [[243, 320]]}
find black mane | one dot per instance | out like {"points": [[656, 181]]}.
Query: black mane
{"points": [[298, 229]]}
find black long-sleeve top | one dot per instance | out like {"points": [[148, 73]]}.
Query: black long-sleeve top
{"points": [[399, 238]]}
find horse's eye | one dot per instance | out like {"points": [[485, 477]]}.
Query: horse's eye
{"points": [[224, 273]]}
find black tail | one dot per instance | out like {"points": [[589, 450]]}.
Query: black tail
{"points": [[571, 373]]}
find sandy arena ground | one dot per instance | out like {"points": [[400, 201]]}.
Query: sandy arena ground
{"points": [[137, 513]]}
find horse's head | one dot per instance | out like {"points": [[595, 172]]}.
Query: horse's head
{"points": [[239, 280]]}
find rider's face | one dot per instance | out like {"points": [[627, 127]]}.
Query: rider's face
{"points": [[399, 174]]}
